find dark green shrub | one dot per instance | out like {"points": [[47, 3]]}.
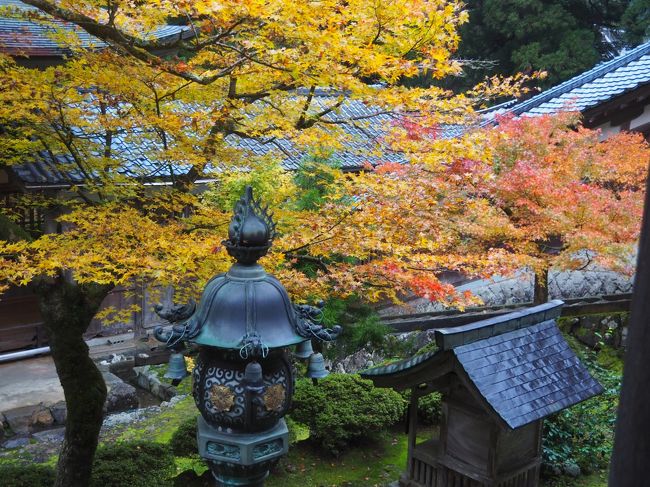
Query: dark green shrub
{"points": [[362, 328], [26, 476], [366, 332], [429, 347], [133, 464], [313, 178], [583, 434], [429, 407], [344, 408], [183, 441], [333, 311]]}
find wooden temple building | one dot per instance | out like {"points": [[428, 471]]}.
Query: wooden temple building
{"points": [[499, 378]]}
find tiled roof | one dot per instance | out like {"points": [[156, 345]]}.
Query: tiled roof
{"points": [[24, 37], [594, 87], [519, 363], [62, 170], [527, 374], [364, 127]]}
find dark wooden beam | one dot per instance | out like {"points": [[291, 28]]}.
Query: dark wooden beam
{"points": [[630, 466], [617, 109], [616, 303]]}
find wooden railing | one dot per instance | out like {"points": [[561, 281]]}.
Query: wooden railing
{"points": [[614, 303]]}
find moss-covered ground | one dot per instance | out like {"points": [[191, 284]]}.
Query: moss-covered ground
{"points": [[369, 464]]}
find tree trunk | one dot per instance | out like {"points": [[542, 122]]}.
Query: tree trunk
{"points": [[67, 310], [630, 465], [540, 292]]}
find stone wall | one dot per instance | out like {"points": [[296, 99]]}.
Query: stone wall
{"points": [[31, 419], [148, 379], [18, 423], [518, 289]]}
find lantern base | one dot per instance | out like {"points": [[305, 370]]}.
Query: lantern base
{"points": [[241, 459]]}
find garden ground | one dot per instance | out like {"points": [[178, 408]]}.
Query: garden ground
{"points": [[376, 462]]}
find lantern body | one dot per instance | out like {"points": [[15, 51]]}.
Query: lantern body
{"points": [[243, 380], [224, 398]]}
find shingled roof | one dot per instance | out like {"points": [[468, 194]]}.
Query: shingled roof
{"points": [[21, 36], [599, 85], [518, 363], [365, 128]]}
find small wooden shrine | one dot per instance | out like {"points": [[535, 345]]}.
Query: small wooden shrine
{"points": [[499, 378]]}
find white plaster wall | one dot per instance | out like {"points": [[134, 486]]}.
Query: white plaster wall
{"points": [[642, 119]]}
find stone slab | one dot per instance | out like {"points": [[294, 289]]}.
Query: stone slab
{"points": [[20, 419], [31, 396], [29, 383]]}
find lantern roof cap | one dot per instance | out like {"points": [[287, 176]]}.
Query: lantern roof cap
{"points": [[245, 309]]}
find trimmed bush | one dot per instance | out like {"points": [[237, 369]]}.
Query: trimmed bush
{"points": [[133, 464], [429, 407], [582, 435], [26, 476], [343, 408], [183, 441]]}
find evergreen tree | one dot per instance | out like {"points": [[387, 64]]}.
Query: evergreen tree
{"points": [[636, 22], [561, 37]]}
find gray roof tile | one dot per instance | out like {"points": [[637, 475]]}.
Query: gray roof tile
{"points": [[547, 376], [21, 36], [594, 87]]}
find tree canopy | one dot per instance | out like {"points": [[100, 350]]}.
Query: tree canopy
{"points": [[636, 21], [246, 75], [562, 38]]}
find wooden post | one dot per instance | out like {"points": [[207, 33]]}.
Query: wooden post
{"points": [[413, 423], [630, 466]]}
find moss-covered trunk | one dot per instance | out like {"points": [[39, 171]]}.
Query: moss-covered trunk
{"points": [[540, 291], [67, 310]]}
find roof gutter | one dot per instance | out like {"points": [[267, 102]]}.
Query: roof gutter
{"points": [[67, 186]]}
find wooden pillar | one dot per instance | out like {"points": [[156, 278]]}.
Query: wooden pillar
{"points": [[630, 466], [140, 292], [413, 427]]}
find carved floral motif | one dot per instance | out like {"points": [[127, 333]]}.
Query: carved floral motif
{"points": [[222, 398], [274, 397]]}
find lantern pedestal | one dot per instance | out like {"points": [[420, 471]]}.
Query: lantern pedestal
{"points": [[241, 459]]}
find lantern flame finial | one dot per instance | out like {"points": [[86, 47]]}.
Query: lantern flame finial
{"points": [[251, 230]]}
